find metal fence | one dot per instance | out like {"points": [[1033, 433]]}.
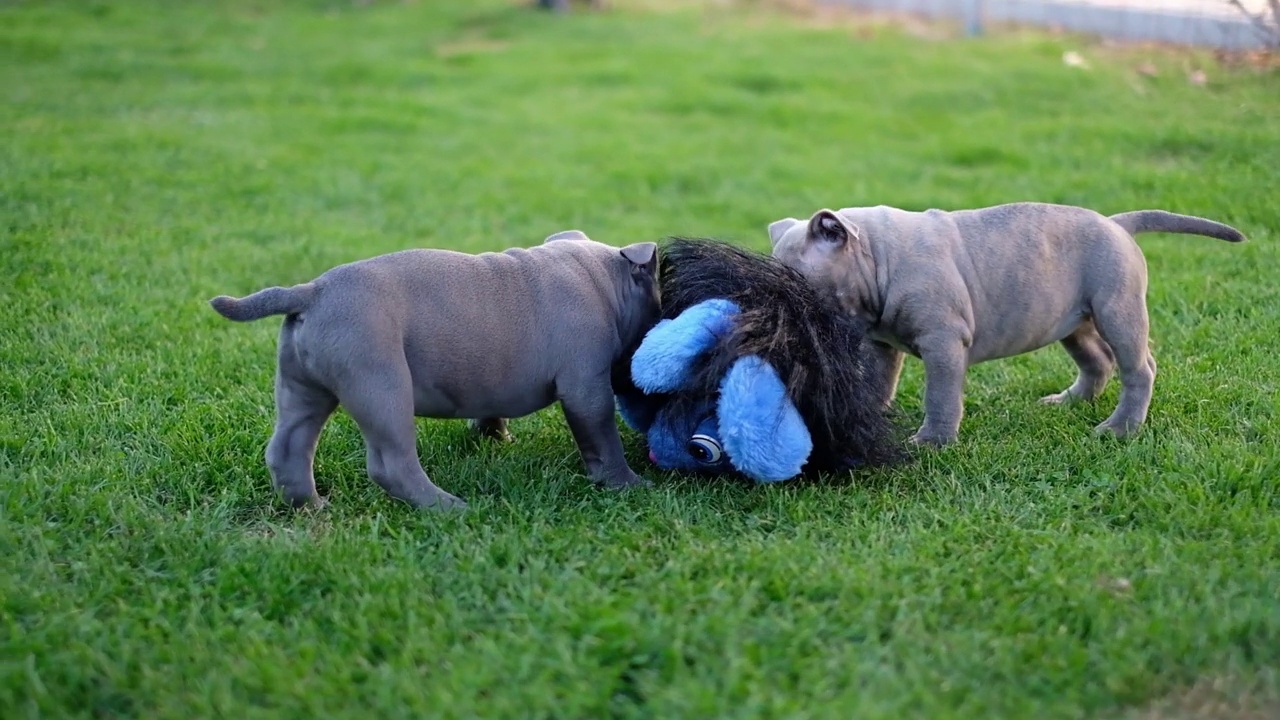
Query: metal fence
{"points": [[1210, 23]]}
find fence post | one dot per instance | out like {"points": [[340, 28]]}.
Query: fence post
{"points": [[973, 17]]}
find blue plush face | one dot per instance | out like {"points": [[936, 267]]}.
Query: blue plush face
{"points": [[687, 442], [751, 427]]}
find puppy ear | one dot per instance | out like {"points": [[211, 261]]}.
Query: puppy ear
{"points": [[640, 253], [664, 361], [778, 228], [567, 235], [829, 227], [761, 430]]}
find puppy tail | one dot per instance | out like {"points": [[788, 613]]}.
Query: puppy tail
{"points": [[1143, 221], [272, 301]]}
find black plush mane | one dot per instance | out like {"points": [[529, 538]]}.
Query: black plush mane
{"points": [[815, 347]]}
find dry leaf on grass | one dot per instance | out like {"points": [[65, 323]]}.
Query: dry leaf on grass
{"points": [[473, 46], [1117, 585], [1071, 58]]}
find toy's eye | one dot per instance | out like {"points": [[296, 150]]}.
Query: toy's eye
{"points": [[705, 449]]}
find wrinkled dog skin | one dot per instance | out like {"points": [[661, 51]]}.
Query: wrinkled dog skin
{"points": [[959, 288], [443, 334]]}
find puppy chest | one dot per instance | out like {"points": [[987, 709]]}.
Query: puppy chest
{"points": [[883, 335]]}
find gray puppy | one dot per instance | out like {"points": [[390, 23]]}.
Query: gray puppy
{"points": [[959, 288], [437, 333]]}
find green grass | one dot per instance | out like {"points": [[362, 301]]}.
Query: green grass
{"points": [[154, 154]]}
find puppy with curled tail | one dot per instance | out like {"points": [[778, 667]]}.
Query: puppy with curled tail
{"points": [[443, 334], [959, 288]]}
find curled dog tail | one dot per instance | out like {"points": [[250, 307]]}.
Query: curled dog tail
{"points": [[271, 301], [1142, 221]]}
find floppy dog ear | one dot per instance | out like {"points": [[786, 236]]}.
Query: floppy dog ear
{"points": [[640, 253], [567, 235], [760, 428], [643, 258], [664, 361], [828, 226], [778, 228]]}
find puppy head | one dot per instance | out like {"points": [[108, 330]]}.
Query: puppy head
{"points": [[636, 273], [633, 271], [641, 270], [825, 249], [640, 300]]}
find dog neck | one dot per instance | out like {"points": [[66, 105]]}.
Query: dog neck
{"points": [[861, 290]]}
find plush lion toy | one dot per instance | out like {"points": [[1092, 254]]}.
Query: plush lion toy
{"points": [[752, 370]]}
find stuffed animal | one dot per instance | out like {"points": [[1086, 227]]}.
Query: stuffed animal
{"points": [[752, 370]]}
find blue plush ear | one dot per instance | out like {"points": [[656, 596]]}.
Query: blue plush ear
{"points": [[662, 362], [762, 432]]}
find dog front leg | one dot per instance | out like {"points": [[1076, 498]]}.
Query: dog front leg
{"points": [[590, 413], [885, 367], [945, 362]]}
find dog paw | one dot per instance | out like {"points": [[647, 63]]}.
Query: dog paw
{"points": [[1057, 398], [933, 438], [304, 500], [433, 499], [315, 503], [444, 503], [1120, 429], [627, 482]]}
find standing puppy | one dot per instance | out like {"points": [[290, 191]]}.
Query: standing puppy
{"points": [[437, 333], [959, 288]]}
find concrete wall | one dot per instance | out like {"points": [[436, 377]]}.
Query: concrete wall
{"points": [[1210, 23]]}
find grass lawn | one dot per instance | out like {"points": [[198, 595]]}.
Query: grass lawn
{"points": [[154, 154]]}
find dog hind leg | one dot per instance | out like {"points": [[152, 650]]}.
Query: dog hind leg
{"points": [[1095, 361], [1123, 324], [302, 409], [382, 406]]}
